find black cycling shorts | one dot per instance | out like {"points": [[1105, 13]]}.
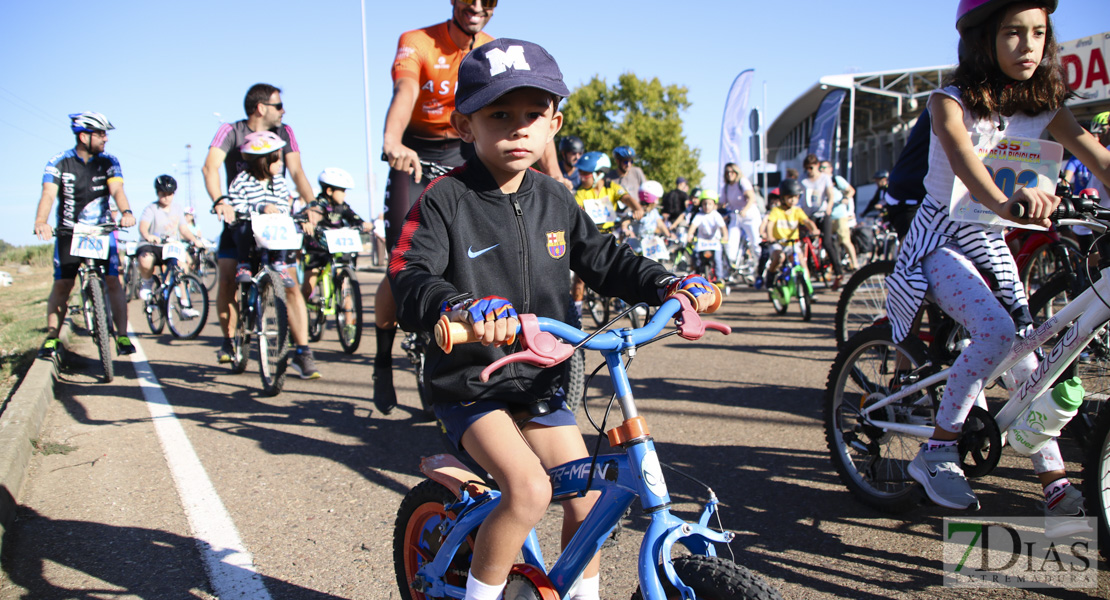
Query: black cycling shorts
{"points": [[401, 192]]}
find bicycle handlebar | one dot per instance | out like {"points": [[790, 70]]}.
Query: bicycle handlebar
{"points": [[545, 340], [1085, 204], [104, 227]]}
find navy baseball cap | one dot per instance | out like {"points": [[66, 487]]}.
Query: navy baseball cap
{"points": [[501, 66]]}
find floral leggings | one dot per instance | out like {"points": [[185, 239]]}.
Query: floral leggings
{"points": [[959, 290]]}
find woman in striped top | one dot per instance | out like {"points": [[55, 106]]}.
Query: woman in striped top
{"points": [[1009, 79], [260, 188]]}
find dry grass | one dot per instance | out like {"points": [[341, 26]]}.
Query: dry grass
{"points": [[22, 322]]}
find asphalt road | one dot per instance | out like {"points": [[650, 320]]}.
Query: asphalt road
{"points": [[312, 479]]}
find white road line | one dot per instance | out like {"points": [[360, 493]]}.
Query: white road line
{"points": [[230, 566]]}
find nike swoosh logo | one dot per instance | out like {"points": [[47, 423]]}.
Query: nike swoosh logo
{"points": [[472, 254]]}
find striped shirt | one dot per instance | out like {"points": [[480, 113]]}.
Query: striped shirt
{"points": [[249, 194], [933, 227]]}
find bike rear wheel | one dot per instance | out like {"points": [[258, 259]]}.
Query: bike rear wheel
{"points": [[417, 538], [873, 462], [187, 307], [714, 578], [273, 334], [316, 319], [101, 329], [1096, 479], [863, 301], [805, 297], [1047, 260], [207, 271], [154, 308], [348, 310]]}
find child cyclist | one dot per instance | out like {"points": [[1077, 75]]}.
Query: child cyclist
{"points": [[601, 200], [709, 232], [490, 238], [332, 201], [783, 224], [1008, 79], [649, 231]]}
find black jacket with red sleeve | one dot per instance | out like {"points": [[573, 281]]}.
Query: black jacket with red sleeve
{"points": [[465, 236]]}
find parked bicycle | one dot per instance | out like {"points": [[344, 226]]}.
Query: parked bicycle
{"points": [[437, 520], [176, 298], [337, 293], [92, 243]]}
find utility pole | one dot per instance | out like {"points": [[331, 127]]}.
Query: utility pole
{"points": [[189, 173]]}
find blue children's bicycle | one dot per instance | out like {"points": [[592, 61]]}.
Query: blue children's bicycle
{"points": [[792, 281], [437, 522]]}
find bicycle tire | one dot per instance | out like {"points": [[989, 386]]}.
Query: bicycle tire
{"points": [[715, 578], [805, 298], [417, 538], [87, 312], [348, 310], [316, 319], [132, 279], [101, 330], [241, 339], [1046, 261], [1096, 479], [862, 302], [575, 385], [189, 293], [873, 463], [597, 306], [273, 334], [775, 293], [208, 270]]}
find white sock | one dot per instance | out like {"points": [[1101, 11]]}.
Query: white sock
{"points": [[476, 590], [934, 444], [578, 308], [587, 588]]}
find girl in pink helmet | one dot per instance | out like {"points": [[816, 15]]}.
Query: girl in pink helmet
{"points": [[259, 188], [1009, 79]]}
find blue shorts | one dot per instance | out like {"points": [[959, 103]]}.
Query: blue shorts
{"points": [[455, 419], [226, 247], [67, 266]]}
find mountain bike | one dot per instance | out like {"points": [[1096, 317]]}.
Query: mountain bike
{"points": [[176, 298], [261, 306], [92, 243], [337, 292], [881, 395], [434, 532], [792, 281], [202, 264]]}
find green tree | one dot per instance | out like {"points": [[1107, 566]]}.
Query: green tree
{"points": [[639, 113]]}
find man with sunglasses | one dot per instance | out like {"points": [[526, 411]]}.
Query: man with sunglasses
{"points": [[264, 110], [628, 175]]}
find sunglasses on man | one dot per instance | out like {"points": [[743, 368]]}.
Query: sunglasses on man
{"points": [[277, 105], [485, 3]]}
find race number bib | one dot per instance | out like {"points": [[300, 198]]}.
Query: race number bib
{"points": [[600, 211], [173, 250], [275, 232], [708, 245], [343, 240], [1013, 163], [655, 249], [89, 241]]}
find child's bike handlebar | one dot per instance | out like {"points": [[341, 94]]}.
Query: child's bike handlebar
{"points": [[545, 340]]}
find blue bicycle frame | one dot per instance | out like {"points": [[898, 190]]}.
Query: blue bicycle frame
{"points": [[620, 478]]}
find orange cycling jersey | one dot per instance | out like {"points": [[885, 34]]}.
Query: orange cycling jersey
{"points": [[430, 56]]}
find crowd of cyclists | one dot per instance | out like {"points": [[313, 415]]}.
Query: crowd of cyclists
{"points": [[722, 228]]}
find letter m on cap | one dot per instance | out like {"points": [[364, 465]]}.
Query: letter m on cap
{"points": [[499, 60]]}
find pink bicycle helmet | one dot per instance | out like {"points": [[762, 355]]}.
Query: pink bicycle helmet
{"points": [[261, 142], [973, 12], [651, 191]]}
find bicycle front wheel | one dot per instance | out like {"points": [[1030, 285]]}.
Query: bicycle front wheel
{"points": [[273, 334], [316, 319], [97, 306], [870, 460], [187, 307], [1096, 479], [715, 578], [154, 308], [348, 310], [863, 301], [805, 296]]}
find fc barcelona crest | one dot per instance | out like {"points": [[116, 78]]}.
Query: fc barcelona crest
{"points": [[556, 245]]}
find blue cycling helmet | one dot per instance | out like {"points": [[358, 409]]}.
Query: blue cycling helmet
{"points": [[592, 162], [87, 122], [624, 152]]}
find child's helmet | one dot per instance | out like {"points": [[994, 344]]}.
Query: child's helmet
{"points": [[709, 195], [1100, 122], [881, 175], [87, 122], [190, 211], [624, 152], [165, 184], [259, 143], [571, 143], [973, 12], [336, 178], [592, 162], [791, 187], [651, 191]]}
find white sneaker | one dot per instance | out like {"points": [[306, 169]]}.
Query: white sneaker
{"points": [[189, 313], [1066, 516]]}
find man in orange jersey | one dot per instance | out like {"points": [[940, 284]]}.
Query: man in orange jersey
{"points": [[418, 128]]}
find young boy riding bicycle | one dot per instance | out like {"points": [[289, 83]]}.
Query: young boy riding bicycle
{"points": [[488, 238], [783, 224]]}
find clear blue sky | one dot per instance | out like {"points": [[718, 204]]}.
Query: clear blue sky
{"points": [[159, 70]]}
